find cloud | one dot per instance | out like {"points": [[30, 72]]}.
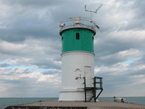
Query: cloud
{"points": [[4, 65], [33, 2], [51, 72], [122, 79], [10, 48], [2, 88], [17, 80]]}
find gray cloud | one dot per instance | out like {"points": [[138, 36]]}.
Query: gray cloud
{"points": [[34, 2], [4, 65], [51, 72]]}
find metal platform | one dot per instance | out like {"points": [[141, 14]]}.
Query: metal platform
{"points": [[93, 89], [77, 22]]}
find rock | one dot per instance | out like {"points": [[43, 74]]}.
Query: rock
{"points": [[131, 103], [41, 101]]}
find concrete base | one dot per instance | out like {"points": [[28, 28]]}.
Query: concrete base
{"points": [[74, 95], [71, 96]]}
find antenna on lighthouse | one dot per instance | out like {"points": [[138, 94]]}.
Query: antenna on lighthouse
{"points": [[98, 8], [92, 11]]}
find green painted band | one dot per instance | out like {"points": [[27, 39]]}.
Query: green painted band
{"points": [[77, 40]]}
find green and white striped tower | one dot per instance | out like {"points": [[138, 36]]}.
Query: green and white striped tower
{"points": [[77, 36]]}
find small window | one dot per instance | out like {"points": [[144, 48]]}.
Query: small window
{"points": [[77, 36], [92, 38], [61, 38]]}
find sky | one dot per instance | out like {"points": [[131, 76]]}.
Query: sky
{"points": [[30, 46]]}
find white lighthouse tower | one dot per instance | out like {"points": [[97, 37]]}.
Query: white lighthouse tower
{"points": [[77, 36]]}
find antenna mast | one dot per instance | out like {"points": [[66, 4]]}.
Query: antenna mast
{"points": [[92, 11]]}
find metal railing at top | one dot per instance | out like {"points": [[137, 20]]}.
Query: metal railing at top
{"points": [[77, 22]]}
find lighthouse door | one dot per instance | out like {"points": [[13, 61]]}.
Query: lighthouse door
{"points": [[88, 76]]}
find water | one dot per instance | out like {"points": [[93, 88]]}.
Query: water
{"points": [[4, 102]]}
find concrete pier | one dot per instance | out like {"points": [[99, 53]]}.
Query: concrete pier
{"points": [[81, 105]]}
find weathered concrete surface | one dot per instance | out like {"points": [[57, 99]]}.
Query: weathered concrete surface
{"points": [[90, 105]]}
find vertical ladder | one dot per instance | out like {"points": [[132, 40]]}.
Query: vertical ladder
{"points": [[97, 88]]}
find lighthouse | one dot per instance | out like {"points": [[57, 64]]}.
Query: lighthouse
{"points": [[77, 35], [78, 80]]}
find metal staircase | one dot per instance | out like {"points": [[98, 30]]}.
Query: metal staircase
{"points": [[92, 90]]}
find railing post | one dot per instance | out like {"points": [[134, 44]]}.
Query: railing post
{"points": [[94, 89], [85, 87], [101, 83]]}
